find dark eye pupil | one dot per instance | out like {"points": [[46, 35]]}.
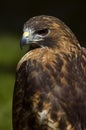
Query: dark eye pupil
{"points": [[42, 32]]}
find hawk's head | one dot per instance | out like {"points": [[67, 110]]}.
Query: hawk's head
{"points": [[46, 31]]}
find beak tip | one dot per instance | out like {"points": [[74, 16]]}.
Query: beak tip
{"points": [[22, 42]]}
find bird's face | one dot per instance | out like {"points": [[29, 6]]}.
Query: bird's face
{"points": [[40, 31], [44, 31], [34, 37]]}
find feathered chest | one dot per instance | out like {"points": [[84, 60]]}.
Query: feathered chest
{"points": [[50, 87]]}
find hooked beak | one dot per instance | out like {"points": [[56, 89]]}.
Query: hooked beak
{"points": [[25, 39], [29, 38]]}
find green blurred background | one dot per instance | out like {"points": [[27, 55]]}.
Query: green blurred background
{"points": [[13, 14]]}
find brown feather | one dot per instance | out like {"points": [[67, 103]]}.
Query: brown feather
{"points": [[50, 86]]}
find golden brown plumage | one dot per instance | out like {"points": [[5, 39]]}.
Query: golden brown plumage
{"points": [[50, 86]]}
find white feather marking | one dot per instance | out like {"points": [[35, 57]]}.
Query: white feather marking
{"points": [[42, 116]]}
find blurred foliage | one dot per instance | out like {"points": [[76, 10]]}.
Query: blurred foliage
{"points": [[10, 54]]}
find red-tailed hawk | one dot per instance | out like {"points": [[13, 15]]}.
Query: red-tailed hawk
{"points": [[50, 86]]}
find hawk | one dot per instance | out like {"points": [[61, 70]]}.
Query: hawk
{"points": [[50, 85]]}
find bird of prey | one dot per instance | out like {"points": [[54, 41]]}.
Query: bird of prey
{"points": [[50, 85]]}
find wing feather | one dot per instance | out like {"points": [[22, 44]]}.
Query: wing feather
{"points": [[47, 91]]}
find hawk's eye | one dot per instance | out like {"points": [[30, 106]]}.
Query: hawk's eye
{"points": [[42, 32]]}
